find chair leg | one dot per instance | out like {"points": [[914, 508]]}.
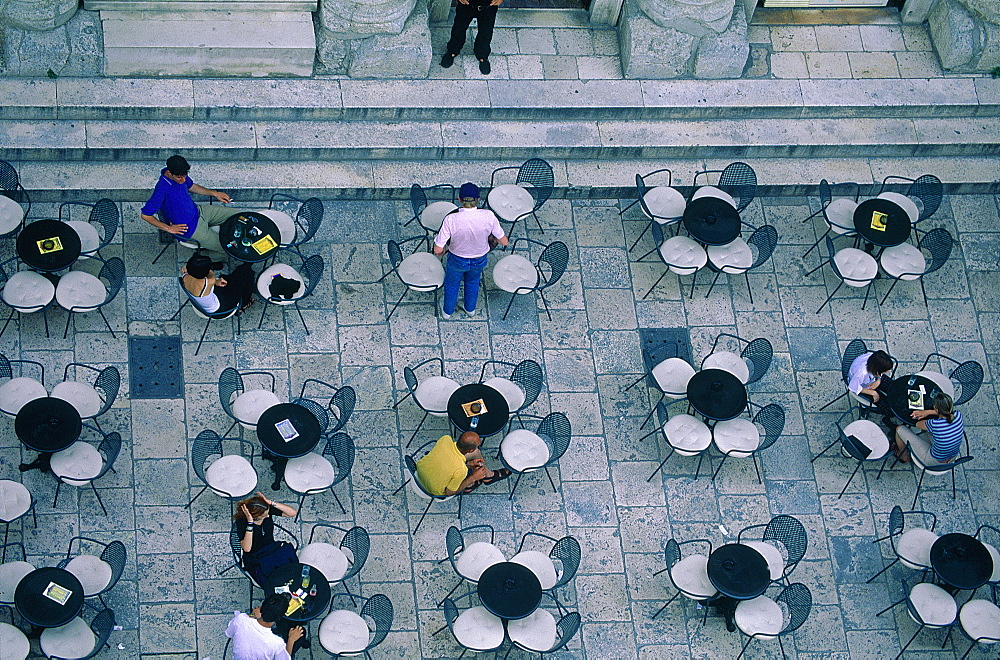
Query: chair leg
{"points": [[849, 480], [514, 487], [905, 646], [915, 494], [828, 447], [203, 333], [744, 649], [99, 501], [869, 581], [660, 611], [7, 323], [302, 318], [423, 515], [622, 212], [655, 248], [396, 492], [694, 281], [891, 287], [659, 279], [69, 319], [756, 468], [417, 429], [263, 313], [545, 303], [724, 457], [637, 381], [712, 285], [507, 311], [551, 482], [746, 276], [821, 264], [161, 253], [701, 456], [342, 509], [406, 290], [188, 505], [56, 498], [868, 291], [460, 582], [645, 229], [662, 463], [178, 311], [834, 401], [830, 297], [101, 312], [45, 318]]}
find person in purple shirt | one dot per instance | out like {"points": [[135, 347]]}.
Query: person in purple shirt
{"points": [[184, 218]]}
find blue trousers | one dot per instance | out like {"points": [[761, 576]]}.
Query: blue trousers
{"points": [[458, 270]]}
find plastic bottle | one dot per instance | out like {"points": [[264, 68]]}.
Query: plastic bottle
{"points": [[305, 576], [474, 422]]}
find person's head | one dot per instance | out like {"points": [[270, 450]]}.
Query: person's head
{"points": [[256, 505], [177, 168], [273, 608], [944, 405], [469, 194], [199, 266], [468, 442], [879, 363]]}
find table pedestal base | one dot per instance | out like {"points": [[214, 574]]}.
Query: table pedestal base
{"points": [[726, 606], [278, 464], [42, 463]]}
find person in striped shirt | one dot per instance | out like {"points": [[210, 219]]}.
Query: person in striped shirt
{"points": [[946, 429]]}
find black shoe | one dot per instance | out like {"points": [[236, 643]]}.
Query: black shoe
{"points": [[484, 67], [218, 265], [447, 60]]}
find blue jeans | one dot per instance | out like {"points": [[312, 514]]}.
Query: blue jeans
{"points": [[457, 270]]}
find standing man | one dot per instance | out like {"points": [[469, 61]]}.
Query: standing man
{"points": [[485, 12], [184, 218], [252, 636], [469, 229]]}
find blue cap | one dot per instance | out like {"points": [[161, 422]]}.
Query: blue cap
{"points": [[468, 191]]}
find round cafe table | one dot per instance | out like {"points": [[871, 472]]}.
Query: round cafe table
{"points": [[291, 574], [277, 449], [510, 591], [961, 561], [57, 256], [46, 425], [41, 610], [712, 221], [898, 395], [717, 394], [897, 223], [251, 227], [491, 422], [739, 573]]}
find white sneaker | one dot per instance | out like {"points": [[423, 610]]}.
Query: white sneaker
{"points": [[472, 313], [446, 317]]}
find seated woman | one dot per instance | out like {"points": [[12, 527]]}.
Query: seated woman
{"points": [[868, 378], [214, 294], [253, 521], [946, 429]]}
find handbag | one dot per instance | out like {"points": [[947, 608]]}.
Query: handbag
{"points": [[263, 561]]}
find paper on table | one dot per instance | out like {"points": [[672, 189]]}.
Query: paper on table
{"points": [[47, 245], [472, 411], [57, 593], [287, 430]]}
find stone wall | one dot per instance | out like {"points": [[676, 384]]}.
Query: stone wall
{"points": [[74, 48], [966, 34], [391, 39], [37, 14]]}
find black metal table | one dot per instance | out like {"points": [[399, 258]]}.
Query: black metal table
{"points": [[897, 223], [898, 395], [241, 230], [717, 394], [712, 221], [40, 610], [961, 561], [492, 421], [276, 448], [509, 591], [291, 575], [46, 425], [739, 573], [48, 245]]}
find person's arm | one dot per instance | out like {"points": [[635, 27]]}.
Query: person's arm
{"points": [[246, 537], [208, 192], [477, 474], [871, 390], [497, 230], [286, 511], [149, 209], [293, 636]]}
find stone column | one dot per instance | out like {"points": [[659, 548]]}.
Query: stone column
{"points": [[374, 38], [966, 34], [37, 14]]}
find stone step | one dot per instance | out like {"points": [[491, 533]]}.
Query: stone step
{"points": [[132, 180], [401, 100], [208, 43], [97, 140]]}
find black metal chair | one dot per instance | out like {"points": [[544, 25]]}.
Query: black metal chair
{"points": [[680, 255], [410, 470], [518, 276], [420, 271], [665, 206], [244, 410], [104, 214], [25, 292], [304, 476], [10, 186], [936, 469], [307, 220], [521, 631], [927, 189], [19, 501], [862, 440], [837, 212], [341, 562], [670, 375], [685, 434], [556, 569], [431, 394], [757, 354], [738, 180], [733, 261], [52, 640], [855, 349], [377, 610], [733, 437], [787, 531], [914, 548], [233, 476], [479, 631], [852, 267], [88, 568], [81, 464], [979, 620], [521, 388], [339, 408], [537, 174], [794, 602], [94, 399], [484, 554], [526, 450], [688, 576], [896, 261], [79, 291], [16, 391], [929, 606], [968, 374], [23, 568], [309, 273], [220, 315], [430, 220]]}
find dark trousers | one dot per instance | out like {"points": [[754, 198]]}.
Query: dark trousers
{"points": [[239, 287], [485, 18]]}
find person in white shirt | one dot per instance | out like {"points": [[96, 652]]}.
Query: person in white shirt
{"points": [[868, 377], [252, 636], [465, 235]]}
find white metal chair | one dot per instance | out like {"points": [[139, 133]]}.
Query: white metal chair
{"points": [[420, 271], [912, 547], [19, 390], [929, 606]]}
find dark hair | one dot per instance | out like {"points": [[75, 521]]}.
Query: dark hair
{"points": [[199, 265], [178, 165], [256, 505], [468, 441], [274, 607], [879, 362], [945, 406]]}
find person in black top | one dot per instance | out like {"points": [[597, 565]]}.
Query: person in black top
{"points": [[253, 521], [485, 13]]}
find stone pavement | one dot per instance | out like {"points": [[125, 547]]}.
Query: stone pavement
{"points": [[172, 603]]}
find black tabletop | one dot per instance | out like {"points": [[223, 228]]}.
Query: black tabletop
{"points": [[47, 424], [717, 394], [251, 228], [39, 609], [897, 224], [303, 421], [712, 221], [961, 561], [738, 571], [509, 590], [497, 412], [899, 393], [291, 574], [30, 252]]}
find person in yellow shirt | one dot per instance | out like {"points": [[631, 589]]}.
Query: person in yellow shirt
{"points": [[456, 467]]}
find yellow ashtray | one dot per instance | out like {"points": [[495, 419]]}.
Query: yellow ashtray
{"points": [[47, 245], [263, 245]]}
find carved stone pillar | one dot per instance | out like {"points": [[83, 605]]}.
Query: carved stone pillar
{"points": [[363, 18], [374, 38], [966, 34], [37, 14]]}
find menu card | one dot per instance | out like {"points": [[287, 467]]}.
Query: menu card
{"points": [[57, 593], [47, 245]]}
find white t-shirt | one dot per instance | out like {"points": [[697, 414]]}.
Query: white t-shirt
{"points": [[252, 641], [468, 230], [858, 376]]}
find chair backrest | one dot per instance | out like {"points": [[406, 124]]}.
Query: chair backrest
{"points": [[113, 271], [109, 382], [825, 193], [938, 243], [101, 626], [9, 181], [105, 213], [792, 535], [341, 447], [772, 418], [318, 411], [854, 350], [206, 444], [312, 271], [109, 448], [115, 555], [671, 554], [758, 354], [764, 238], [341, 406], [221, 314], [538, 174], [928, 189], [395, 253], [556, 255], [941, 468], [418, 199], [379, 609], [308, 219], [410, 378], [528, 375], [566, 627], [740, 181], [969, 375], [567, 551], [230, 383], [557, 428], [358, 542], [7, 371], [798, 600]]}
